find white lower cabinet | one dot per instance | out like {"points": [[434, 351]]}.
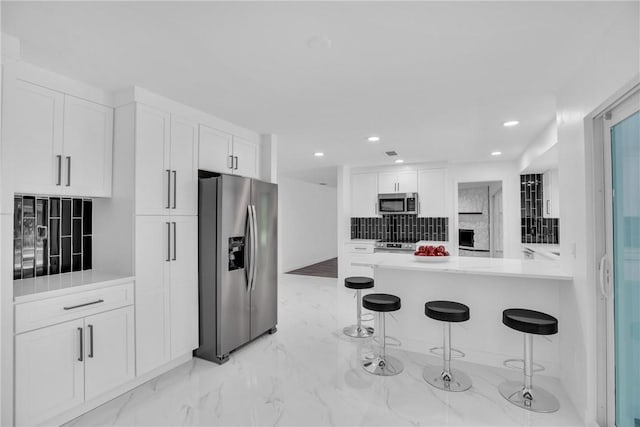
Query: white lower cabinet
{"points": [[354, 252], [109, 351], [184, 286], [166, 289], [49, 372], [61, 366]]}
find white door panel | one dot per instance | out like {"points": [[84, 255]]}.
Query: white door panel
{"points": [[152, 161]]}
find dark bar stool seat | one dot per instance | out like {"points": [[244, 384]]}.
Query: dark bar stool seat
{"points": [[381, 364], [529, 322], [445, 378], [358, 283]]}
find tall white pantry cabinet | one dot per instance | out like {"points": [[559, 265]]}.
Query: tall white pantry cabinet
{"points": [[164, 220]]}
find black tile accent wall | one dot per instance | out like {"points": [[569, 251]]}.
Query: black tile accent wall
{"points": [[535, 228], [51, 235], [400, 228]]}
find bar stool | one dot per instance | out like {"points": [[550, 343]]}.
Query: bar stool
{"points": [[358, 283], [445, 378], [526, 395], [381, 364]]}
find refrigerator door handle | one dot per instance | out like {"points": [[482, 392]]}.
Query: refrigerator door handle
{"points": [[254, 245], [251, 238]]}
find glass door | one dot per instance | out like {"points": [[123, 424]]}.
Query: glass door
{"points": [[622, 146]]}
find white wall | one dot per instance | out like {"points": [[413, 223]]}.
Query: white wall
{"points": [[307, 223], [613, 63]]}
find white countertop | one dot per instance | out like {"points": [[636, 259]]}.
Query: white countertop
{"points": [[543, 249], [36, 288], [469, 265], [362, 241]]}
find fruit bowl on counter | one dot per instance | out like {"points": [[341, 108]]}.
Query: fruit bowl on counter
{"points": [[431, 254]]}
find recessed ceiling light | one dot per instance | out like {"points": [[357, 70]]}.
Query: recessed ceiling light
{"points": [[399, 161], [510, 123], [373, 139], [496, 153], [318, 154]]}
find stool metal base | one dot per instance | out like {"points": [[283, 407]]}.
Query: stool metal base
{"points": [[540, 400], [386, 366], [434, 376], [356, 331]]}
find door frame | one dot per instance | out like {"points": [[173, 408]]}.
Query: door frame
{"points": [[598, 158]]}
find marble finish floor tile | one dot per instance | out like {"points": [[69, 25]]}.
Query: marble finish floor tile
{"points": [[309, 374]]}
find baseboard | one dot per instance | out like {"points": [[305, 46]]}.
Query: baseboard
{"points": [[124, 388]]}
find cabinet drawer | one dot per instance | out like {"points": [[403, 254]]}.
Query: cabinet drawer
{"points": [[38, 314], [359, 248]]}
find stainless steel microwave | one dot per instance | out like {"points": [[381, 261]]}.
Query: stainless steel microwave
{"points": [[398, 203]]}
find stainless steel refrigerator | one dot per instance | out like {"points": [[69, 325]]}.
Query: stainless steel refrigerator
{"points": [[237, 263]]}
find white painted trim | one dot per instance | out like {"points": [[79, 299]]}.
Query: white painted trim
{"points": [[595, 160], [97, 401], [58, 82], [144, 96]]}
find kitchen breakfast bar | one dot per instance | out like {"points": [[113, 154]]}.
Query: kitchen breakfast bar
{"points": [[488, 286]]}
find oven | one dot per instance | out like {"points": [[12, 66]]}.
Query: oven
{"points": [[466, 238]]}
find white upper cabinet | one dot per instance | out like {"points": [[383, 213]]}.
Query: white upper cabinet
{"points": [[364, 195], [408, 182], [33, 136], [551, 194], [184, 167], [387, 182], [88, 144], [152, 173], [245, 156], [57, 143], [166, 164], [432, 193], [215, 148], [398, 182], [226, 153]]}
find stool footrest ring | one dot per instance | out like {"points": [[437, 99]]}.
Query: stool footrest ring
{"points": [[455, 353], [519, 365]]}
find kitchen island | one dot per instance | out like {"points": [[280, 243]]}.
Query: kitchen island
{"points": [[487, 286]]}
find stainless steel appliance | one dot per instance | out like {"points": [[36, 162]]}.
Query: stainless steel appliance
{"points": [[398, 203], [400, 247], [237, 262]]}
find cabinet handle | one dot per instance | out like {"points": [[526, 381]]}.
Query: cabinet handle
{"points": [[548, 212], [68, 171], [59, 182], [80, 357], [175, 256], [230, 158], [168, 171], [175, 188], [168, 241], [360, 249], [83, 305], [90, 341], [236, 157]]}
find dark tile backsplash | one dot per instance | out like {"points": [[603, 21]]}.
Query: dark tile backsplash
{"points": [[535, 228], [400, 228], [51, 235]]}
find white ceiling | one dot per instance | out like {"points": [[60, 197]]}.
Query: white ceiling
{"points": [[434, 79]]}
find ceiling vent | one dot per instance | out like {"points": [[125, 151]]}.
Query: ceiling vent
{"points": [[391, 153]]}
